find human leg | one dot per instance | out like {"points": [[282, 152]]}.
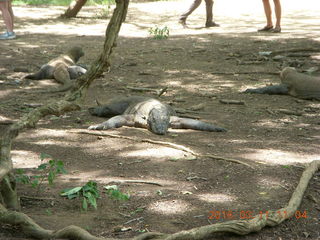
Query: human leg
{"points": [[4, 7], [268, 13], [277, 9], [209, 21], [184, 16], [11, 14]]}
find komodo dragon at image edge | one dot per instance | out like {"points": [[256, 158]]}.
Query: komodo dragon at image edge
{"points": [[145, 112], [62, 68], [295, 84]]}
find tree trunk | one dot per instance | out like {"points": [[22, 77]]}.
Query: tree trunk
{"points": [[73, 9]]}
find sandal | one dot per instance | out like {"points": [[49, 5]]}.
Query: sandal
{"points": [[276, 30], [212, 24], [266, 29]]}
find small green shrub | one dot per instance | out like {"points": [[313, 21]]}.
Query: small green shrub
{"points": [[113, 192], [159, 33], [47, 171], [89, 193]]}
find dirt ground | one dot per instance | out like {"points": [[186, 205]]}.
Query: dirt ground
{"points": [[275, 135]]}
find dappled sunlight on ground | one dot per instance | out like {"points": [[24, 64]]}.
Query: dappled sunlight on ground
{"points": [[216, 197], [170, 207], [25, 159], [280, 157], [154, 153]]}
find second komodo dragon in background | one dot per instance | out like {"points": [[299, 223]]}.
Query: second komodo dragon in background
{"points": [[295, 84], [62, 68], [145, 112]]}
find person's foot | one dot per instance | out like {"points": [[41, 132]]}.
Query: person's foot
{"points": [[266, 29], [212, 24], [183, 23], [276, 30], [7, 36]]}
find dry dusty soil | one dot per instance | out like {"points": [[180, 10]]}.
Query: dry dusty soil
{"points": [[272, 137]]}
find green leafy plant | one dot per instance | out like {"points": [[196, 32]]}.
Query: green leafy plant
{"points": [[114, 193], [89, 193], [159, 33], [21, 177], [47, 171]]}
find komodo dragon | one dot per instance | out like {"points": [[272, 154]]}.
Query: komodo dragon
{"points": [[294, 84], [145, 112], [62, 68]]}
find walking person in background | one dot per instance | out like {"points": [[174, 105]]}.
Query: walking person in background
{"points": [[8, 17], [194, 5], [267, 10]]}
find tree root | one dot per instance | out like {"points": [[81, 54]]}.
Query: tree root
{"points": [[168, 144]]}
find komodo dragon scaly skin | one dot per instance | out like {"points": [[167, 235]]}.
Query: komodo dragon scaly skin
{"points": [[295, 84], [147, 113], [62, 68]]}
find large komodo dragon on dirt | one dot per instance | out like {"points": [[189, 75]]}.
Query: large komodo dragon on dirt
{"points": [[62, 68], [145, 112], [294, 84]]}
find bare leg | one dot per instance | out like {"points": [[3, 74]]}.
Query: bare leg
{"points": [[8, 20], [11, 14], [267, 11], [209, 5], [277, 9], [193, 6]]}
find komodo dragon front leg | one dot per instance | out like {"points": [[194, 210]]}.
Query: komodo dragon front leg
{"points": [[115, 122], [279, 89], [188, 123]]}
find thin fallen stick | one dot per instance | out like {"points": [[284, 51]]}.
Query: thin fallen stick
{"points": [[227, 159], [136, 181], [37, 198], [231, 101]]}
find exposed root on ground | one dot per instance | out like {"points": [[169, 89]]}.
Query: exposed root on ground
{"points": [[162, 143]]}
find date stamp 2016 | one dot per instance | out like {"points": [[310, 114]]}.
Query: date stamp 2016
{"points": [[247, 214]]}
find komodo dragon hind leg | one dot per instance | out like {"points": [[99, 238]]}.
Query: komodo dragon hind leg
{"points": [[61, 75], [188, 123], [280, 89], [115, 122]]}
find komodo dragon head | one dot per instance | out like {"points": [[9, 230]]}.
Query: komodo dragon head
{"points": [[75, 53], [284, 73], [159, 120]]}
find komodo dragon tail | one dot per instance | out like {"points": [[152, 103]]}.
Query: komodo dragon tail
{"points": [[36, 76], [67, 86], [43, 73]]}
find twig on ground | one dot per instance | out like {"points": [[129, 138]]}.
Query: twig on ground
{"points": [[230, 101], [136, 181], [37, 198]]}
